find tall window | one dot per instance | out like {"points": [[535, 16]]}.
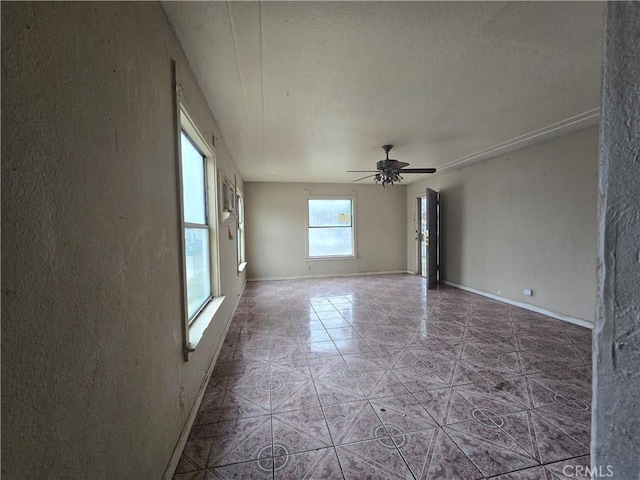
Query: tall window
{"points": [[196, 226], [330, 227], [198, 207], [240, 231]]}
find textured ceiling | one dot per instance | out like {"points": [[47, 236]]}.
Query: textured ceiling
{"points": [[304, 91]]}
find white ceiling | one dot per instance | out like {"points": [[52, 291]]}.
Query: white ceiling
{"points": [[304, 91]]}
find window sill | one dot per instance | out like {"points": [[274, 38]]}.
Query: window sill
{"points": [[201, 323], [322, 259], [241, 267]]}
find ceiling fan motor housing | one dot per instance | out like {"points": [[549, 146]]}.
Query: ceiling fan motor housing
{"points": [[387, 164]]}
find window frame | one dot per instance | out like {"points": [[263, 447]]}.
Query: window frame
{"points": [[240, 238], [199, 226], [354, 240], [193, 328]]}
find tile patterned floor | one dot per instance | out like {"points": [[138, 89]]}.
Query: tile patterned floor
{"points": [[377, 378]]}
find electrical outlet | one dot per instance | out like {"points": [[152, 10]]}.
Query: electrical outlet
{"points": [[528, 292]]}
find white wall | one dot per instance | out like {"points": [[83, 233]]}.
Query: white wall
{"points": [[524, 219], [275, 230], [93, 379]]}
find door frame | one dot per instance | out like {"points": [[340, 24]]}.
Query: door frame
{"points": [[433, 227], [419, 234]]}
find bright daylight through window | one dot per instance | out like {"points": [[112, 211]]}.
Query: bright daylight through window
{"points": [[240, 229], [331, 227], [196, 228]]}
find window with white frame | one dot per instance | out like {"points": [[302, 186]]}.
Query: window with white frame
{"points": [[198, 215], [240, 232], [195, 215], [330, 227], [198, 219]]}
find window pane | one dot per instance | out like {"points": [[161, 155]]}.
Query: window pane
{"points": [[330, 241], [239, 208], [196, 242], [193, 194], [326, 213]]}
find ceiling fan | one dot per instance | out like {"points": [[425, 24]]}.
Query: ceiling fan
{"points": [[389, 170]]}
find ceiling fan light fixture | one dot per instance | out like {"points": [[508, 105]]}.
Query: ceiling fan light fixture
{"points": [[387, 177], [388, 170]]}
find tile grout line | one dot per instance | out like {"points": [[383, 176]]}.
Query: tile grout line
{"points": [[381, 322]]}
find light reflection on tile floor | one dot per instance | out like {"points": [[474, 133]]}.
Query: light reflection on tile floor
{"points": [[376, 377]]}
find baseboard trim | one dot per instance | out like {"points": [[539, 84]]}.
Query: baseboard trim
{"points": [[184, 435], [324, 275], [527, 306]]}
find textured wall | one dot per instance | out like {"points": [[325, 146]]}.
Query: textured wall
{"points": [[616, 381], [524, 219], [93, 380], [275, 225]]}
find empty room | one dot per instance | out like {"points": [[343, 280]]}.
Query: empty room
{"points": [[330, 240]]}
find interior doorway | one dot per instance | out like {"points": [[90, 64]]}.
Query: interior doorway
{"points": [[421, 227], [431, 237], [427, 233]]}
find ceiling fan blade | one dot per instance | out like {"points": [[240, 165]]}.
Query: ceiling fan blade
{"points": [[358, 179], [361, 171], [417, 170]]}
